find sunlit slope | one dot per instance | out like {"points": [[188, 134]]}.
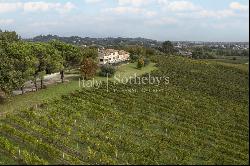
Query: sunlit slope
{"points": [[201, 117]]}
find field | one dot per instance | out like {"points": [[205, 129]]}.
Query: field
{"points": [[56, 91], [233, 59], [200, 117], [241, 63]]}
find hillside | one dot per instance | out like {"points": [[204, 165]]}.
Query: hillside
{"points": [[201, 117], [110, 41]]}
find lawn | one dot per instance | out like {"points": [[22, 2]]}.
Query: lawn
{"points": [[129, 70], [56, 91]]}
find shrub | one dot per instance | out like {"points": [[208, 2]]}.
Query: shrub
{"points": [[88, 68], [134, 58], [146, 62], [140, 63], [2, 96], [107, 70]]}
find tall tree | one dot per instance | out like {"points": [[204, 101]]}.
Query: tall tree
{"points": [[89, 53], [8, 37], [9, 78], [168, 48], [49, 60], [71, 55], [88, 68], [24, 61]]}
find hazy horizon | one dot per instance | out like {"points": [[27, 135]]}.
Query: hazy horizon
{"points": [[174, 20], [88, 36]]}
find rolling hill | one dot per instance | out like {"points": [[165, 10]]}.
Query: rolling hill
{"points": [[200, 117]]}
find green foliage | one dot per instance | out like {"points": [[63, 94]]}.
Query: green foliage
{"points": [[9, 78], [146, 61], [107, 70], [8, 37], [212, 53], [54, 59], [134, 58], [168, 48], [71, 54], [140, 63], [89, 53], [15, 103], [24, 60], [202, 53], [137, 51], [18, 65], [23, 155], [150, 52], [201, 117]]}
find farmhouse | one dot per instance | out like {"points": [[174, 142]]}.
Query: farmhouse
{"points": [[111, 56], [185, 53]]}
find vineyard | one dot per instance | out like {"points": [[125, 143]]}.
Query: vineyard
{"points": [[201, 117]]}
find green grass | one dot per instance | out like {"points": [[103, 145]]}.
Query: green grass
{"points": [[129, 70], [201, 117], [56, 91], [33, 98]]}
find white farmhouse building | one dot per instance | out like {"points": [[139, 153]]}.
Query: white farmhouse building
{"points": [[111, 56]]}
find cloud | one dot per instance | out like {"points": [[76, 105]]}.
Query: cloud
{"points": [[238, 6], [35, 6], [162, 21], [44, 6], [177, 6], [9, 7], [93, 1], [133, 2], [39, 6], [45, 24], [178, 19], [187, 9], [124, 10], [151, 13], [182, 6], [217, 14], [6, 21]]}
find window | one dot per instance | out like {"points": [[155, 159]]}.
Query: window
{"points": [[101, 60]]}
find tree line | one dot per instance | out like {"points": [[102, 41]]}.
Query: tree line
{"points": [[21, 61], [212, 53]]}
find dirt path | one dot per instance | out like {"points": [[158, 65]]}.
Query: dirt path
{"points": [[51, 79]]}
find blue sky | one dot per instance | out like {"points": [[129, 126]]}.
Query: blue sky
{"points": [[195, 20]]}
